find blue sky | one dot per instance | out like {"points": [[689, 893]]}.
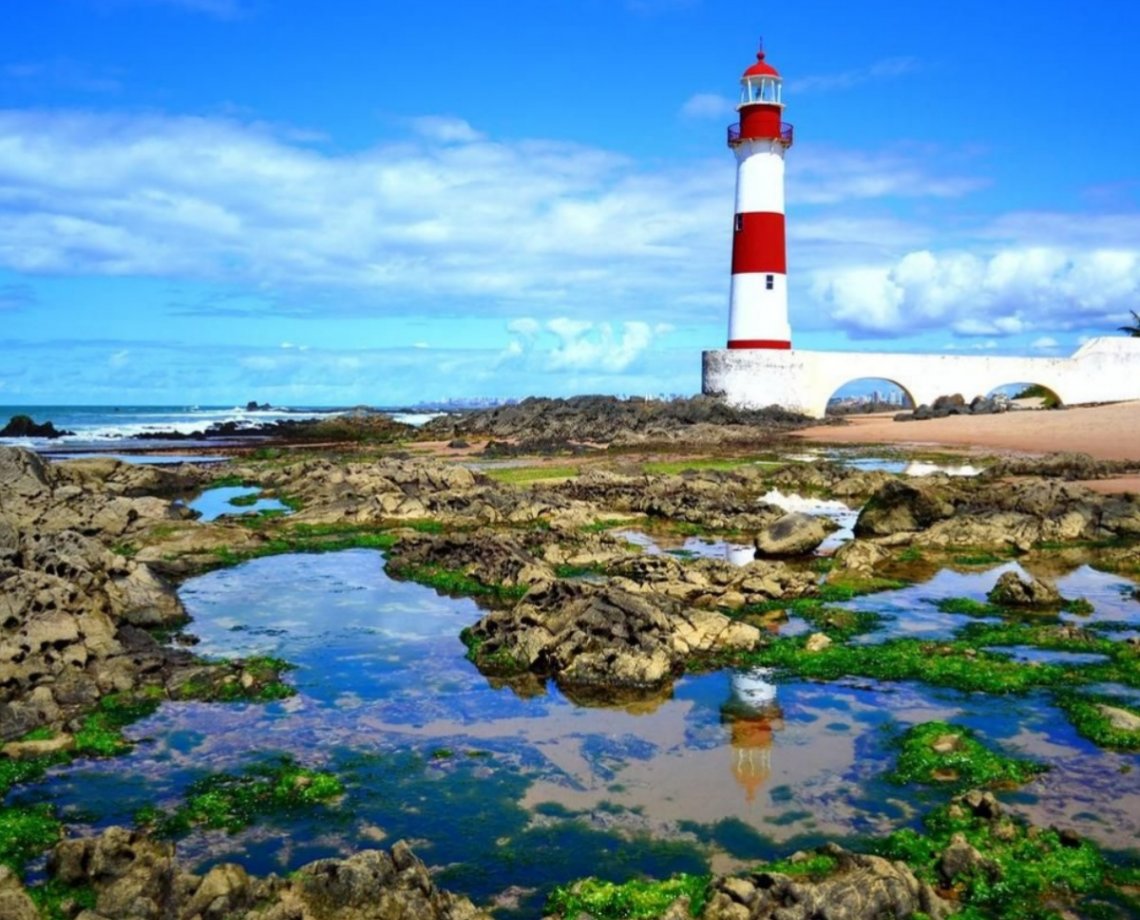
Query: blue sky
{"points": [[212, 201]]}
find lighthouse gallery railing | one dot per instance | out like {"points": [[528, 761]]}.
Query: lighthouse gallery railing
{"points": [[786, 134]]}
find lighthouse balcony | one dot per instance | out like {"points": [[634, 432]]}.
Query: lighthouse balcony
{"points": [[785, 138]]}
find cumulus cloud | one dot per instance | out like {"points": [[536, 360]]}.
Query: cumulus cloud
{"points": [[822, 176], [566, 344], [446, 218], [446, 212], [444, 215], [707, 106], [885, 69], [1004, 293]]}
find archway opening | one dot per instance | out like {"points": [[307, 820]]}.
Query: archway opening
{"points": [[865, 395], [1026, 395]]}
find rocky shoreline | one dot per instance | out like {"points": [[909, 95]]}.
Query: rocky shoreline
{"points": [[91, 553]]}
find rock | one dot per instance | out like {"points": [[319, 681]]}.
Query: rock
{"points": [[1119, 718], [980, 803], [1013, 591], [24, 426], [14, 901], [904, 506], [602, 636], [961, 858], [794, 534], [607, 419], [817, 642], [859, 557], [30, 750], [860, 887], [135, 876]]}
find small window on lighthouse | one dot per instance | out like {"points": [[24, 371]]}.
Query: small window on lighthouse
{"points": [[769, 282], [739, 222]]}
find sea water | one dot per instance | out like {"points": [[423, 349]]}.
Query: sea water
{"points": [[499, 786]]}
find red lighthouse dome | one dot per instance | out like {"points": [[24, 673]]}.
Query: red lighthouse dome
{"points": [[761, 68]]}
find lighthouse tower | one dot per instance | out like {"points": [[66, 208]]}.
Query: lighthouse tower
{"points": [[758, 302]]}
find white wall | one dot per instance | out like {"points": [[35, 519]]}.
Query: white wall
{"points": [[1103, 370]]}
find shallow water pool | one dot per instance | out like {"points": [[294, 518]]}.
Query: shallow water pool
{"points": [[497, 788]]}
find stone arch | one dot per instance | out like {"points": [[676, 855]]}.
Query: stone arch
{"points": [[838, 383], [1035, 390]]}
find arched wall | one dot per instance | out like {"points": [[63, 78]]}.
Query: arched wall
{"points": [[1103, 370], [905, 389]]}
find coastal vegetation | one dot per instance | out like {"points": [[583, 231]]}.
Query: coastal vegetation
{"points": [[233, 801]]}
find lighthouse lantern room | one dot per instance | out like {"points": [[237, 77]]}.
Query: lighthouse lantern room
{"points": [[758, 302]]}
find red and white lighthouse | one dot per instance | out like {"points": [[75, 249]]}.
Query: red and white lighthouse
{"points": [[758, 302]]}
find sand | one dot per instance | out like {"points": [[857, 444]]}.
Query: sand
{"points": [[1108, 432]]}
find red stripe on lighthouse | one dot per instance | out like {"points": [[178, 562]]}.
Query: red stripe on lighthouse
{"points": [[758, 244]]}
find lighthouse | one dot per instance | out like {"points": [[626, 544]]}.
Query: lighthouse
{"points": [[758, 301]]}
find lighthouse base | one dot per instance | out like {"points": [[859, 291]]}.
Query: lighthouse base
{"points": [[1103, 370]]}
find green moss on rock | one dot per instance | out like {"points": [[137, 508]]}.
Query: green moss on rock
{"points": [[232, 801], [938, 753], [636, 900], [26, 832]]}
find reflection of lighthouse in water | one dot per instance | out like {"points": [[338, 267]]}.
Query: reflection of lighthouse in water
{"points": [[752, 715]]}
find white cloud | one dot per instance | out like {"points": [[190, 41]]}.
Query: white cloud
{"points": [[826, 177], [565, 344], [119, 358], [707, 106], [885, 69], [224, 202], [1005, 293], [445, 128], [447, 215], [1045, 343]]}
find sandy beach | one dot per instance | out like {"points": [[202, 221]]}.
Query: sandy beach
{"points": [[1108, 432]]}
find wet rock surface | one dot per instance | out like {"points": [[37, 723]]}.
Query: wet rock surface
{"points": [[133, 875], [945, 511], [607, 419], [586, 635], [794, 534], [861, 887], [1014, 591], [24, 426]]}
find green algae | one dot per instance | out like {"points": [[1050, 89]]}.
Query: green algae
{"points": [[25, 832], [813, 866], [847, 587], [58, 901], [938, 753], [604, 524], [454, 581], [950, 664], [523, 475], [244, 501], [636, 899], [500, 662], [255, 680], [101, 732], [1023, 873], [967, 606], [1092, 722], [233, 801], [308, 538]]}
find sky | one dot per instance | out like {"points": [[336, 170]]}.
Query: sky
{"points": [[369, 201]]}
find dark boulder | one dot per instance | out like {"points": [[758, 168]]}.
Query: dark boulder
{"points": [[24, 426], [904, 506]]}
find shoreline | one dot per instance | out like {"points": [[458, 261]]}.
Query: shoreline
{"points": [[1108, 431]]}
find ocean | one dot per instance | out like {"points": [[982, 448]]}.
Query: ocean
{"points": [[110, 428]]}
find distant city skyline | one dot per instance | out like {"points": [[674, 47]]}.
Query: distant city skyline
{"points": [[211, 201]]}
